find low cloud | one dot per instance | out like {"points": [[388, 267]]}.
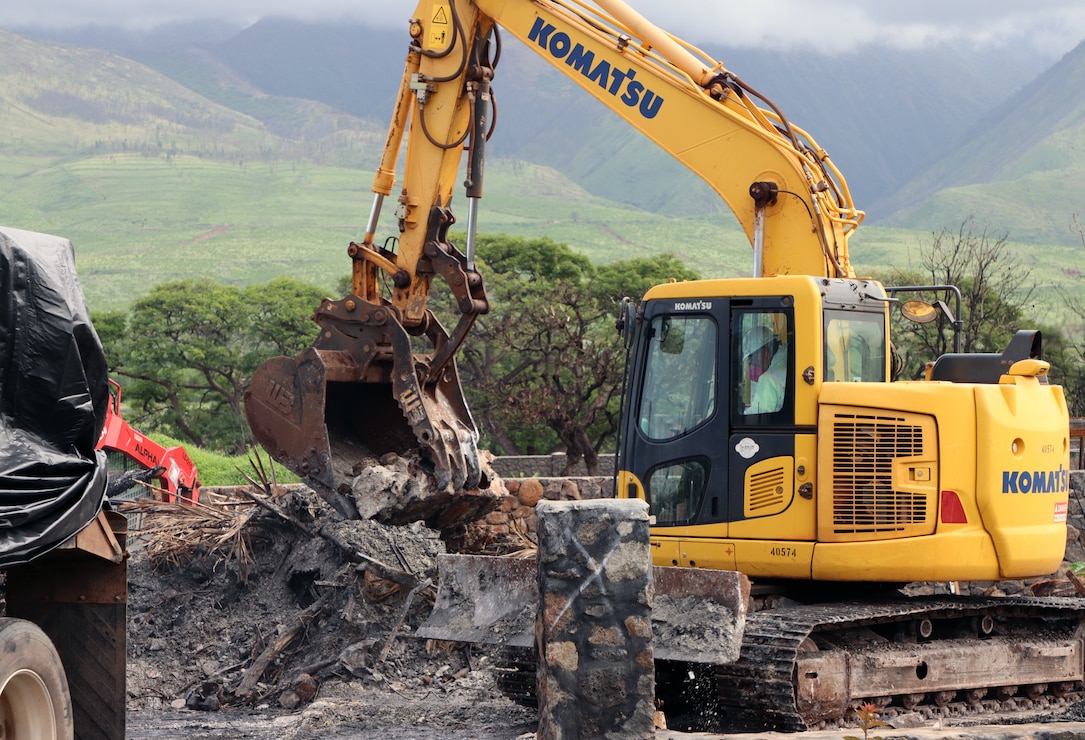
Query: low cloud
{"points": [[831, 25]]}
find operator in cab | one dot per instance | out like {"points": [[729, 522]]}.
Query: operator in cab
{"points": [[766, 360]]}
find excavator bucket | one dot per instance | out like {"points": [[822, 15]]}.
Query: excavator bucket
{"points": [[698, 616], [357, 394]]}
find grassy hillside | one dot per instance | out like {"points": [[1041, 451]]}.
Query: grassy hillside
{"points": [[138, 220], [154, 182], [60, 99], [1021, 170]]}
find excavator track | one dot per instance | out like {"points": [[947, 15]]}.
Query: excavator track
{"points": [[807, 666], [804, 667]]}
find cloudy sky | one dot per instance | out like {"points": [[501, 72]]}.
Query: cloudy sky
{"points": [[1055, 26]]}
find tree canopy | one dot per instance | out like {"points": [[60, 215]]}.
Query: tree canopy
{"points": [[543, 369], [189, 347], [994, 288]]}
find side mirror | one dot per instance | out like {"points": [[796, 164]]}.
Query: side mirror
{"points": [[627, 321], [922, 312]]}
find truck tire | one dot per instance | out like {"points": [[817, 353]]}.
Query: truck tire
{"points": [[34, 699]]}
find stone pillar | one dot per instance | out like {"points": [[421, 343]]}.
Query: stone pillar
{"points": [[593, 629]]}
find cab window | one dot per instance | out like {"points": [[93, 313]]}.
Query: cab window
{"points": [[679, 389], [854, 347], [761, 364], [675, 491]]}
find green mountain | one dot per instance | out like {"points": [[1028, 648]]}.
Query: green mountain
{"points": [[153, 181], [192, 163], [882, 113], [1020, 170]]}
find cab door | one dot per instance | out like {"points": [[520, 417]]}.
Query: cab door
{"points": [[676, 418], [761, 438]]}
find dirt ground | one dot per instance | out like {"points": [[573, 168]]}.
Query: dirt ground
{"points": [[282, 622], [215, 591]]}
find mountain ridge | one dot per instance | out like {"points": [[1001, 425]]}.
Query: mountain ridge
{"points": [[880, 113], [187, 156]]}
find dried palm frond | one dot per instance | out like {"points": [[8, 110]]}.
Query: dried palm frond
{"points": [[175, 533], [529, 548]]}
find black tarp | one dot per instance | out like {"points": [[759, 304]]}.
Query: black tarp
{"points": [[54, 393]]}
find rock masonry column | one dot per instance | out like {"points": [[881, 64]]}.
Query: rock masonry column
{"points": [[594, 625]]}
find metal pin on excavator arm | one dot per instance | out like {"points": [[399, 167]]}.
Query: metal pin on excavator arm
{"points": [[363, 389]]}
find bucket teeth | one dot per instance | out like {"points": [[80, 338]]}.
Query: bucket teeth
{"points": [[356, 395]]}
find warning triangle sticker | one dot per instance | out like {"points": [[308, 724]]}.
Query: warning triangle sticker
{"points": [[440, 16]]}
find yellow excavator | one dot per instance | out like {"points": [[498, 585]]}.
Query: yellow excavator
{"points": [[762, 421]]}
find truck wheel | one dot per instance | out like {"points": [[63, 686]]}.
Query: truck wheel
{"points": [[34, 699]]}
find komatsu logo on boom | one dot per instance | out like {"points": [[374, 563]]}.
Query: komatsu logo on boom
{"points": [[1038, 481], [621, 84]]}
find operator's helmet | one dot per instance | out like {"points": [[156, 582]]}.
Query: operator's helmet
{"points": [[755, 338]]}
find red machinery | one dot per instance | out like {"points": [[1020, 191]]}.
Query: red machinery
{"points": [[172, 468]]}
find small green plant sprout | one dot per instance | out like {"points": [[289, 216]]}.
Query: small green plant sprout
{"points": [[868, 720]]}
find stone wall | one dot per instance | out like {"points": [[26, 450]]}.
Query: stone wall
{"points": [[1075, 529], [594, 625], [516, 515], [546, 466]]}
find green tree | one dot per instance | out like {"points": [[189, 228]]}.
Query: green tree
{"points": [[543, 369], [189, 347]]}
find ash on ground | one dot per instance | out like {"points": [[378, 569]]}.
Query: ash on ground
{"points": [[283, 621]]}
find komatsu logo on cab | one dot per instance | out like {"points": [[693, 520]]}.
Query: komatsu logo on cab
{"points": [[1038, 481], [621, 84], [693, 305]]}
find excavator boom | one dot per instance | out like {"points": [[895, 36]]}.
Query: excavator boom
{"points": [[381, 376]]}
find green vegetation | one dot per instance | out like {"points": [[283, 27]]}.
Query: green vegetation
{"points": [[1020, 172], [543, 369], [137, 221], [188, 350], [155, 182], [162, 189], [218, 469]]}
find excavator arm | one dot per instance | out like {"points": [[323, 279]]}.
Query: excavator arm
{"points": [[792, 202], [381, 376]]}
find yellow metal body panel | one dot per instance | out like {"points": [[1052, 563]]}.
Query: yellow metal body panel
{"points": [[1023, 468], [875, 470], [769, 488], [755, 558], [964, 555], [667, 551], [994, 447], [1005, 536], [775, 558], [795, 522]]}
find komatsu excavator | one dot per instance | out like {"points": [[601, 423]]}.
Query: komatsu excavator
{"points": [[762, 422]]}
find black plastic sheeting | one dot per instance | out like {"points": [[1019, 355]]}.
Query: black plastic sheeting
{"points": [[54, 394]]}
